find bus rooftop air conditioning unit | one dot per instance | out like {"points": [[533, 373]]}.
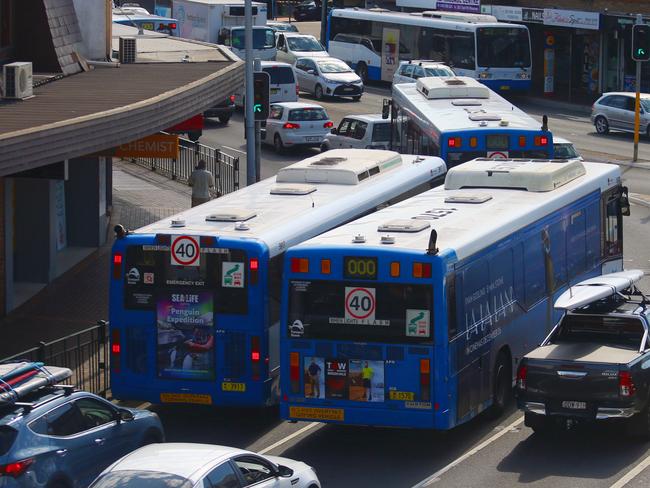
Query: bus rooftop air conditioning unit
{"points": [[17, 81], [128, 50]]}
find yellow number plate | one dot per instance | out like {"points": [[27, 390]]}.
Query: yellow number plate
{"points": [[405, 396], [310, 413], [505, 87], [226, 386], [186, 398]]}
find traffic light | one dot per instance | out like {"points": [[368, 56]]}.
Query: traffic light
{"points": [[641, 42], [261, 81]]}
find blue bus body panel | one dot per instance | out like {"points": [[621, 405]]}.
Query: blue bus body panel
{"points": [[505, 86]]}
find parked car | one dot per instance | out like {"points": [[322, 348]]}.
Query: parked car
{"points": [[309, 11], [615, 111], [223, 111], [296, 124], [291, 46], [279, 26], [564, 149], [283, 86], [204, 465], [328, 77], [594, 364], [410, 71], [359, 132], [64, 438]]}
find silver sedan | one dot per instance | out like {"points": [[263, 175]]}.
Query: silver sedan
{"points": [[328, 77]]}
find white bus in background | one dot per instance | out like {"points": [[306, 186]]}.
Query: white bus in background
{"points": [[474, 45]]}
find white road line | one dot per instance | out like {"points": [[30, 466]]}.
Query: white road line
{"points": [[289, 437], [633, 473], [233, 149], [436, 476]]}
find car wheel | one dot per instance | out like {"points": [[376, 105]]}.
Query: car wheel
{"points": [[602, 126], [277, 144], [502, 386], [362, 71], [324, 147], [318, 92], [224, 118], [357, 98], [639, 425]]}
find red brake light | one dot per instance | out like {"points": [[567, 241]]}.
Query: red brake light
{"points": [[328, 125], [522, 373], [625, 384], [255, 264], [15, 469], [541, 140], [116, 349], [232, 98], [172, 25], [255, 357], [454, 142], [291, 125], [299, 265], [117, 266]]}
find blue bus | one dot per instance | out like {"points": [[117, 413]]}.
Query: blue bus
{"points": [[416, 315], [459, 119], [195, 298]]}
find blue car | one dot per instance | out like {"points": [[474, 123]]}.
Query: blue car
{"points": [[58, 437]]}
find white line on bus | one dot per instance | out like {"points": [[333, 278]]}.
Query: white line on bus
{"points": [[436, 476], [633, 473], [289, 437]]}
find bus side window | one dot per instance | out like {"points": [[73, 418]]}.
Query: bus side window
{"points": [[576, 241], [534, 269], [612, 233], [557, 233], [452, 323], [592, 235]]}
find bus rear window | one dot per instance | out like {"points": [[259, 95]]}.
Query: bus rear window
{"points": [[350, 311]]}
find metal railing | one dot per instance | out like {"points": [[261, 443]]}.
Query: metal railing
{"points": [[85, 353], [224, 167]]}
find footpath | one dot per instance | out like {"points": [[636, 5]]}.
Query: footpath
{"points": [[79, 298]]}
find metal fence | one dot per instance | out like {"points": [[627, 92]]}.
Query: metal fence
{"points": [[224, 167], [85, 353]]}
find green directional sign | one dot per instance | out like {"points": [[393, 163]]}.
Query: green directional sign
{"points": [[261, 95], [641, 42]]}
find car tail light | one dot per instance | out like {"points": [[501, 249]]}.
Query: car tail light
{"points": [[291, 125], [299, 265], [294, 371], [116, 350], [425, 380], [172, 25], [541, 141], [254, 266], [421, 270], [328, 125], [626, 386], [117, 265], [232, 98], [15, 469], [255, 357], [522, 373]]}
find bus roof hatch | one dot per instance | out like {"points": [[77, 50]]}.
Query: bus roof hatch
{"points": [[435, 87]]}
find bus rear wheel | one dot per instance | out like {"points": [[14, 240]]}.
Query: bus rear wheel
{"points": [[502, 386]]}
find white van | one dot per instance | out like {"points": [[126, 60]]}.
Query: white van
{"points": [[283, 86]]}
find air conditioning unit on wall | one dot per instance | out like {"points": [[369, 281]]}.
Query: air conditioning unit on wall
{"points": [[17, 81]]}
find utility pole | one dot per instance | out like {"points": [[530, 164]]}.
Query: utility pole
{"points": [[640, 54], [251, 176], [323, 22], [258, 139]]}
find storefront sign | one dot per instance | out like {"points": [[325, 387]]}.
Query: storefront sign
{"points": [[507, 14], [155, 146], [470, 6], [532, 15], [572, 18]]}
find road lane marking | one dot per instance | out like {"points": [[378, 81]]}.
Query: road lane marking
{"points": [[289, 437], [633, 473], [436, 476], [233, 149]]}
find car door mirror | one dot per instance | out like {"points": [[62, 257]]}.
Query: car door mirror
{"points": [[125, 415], [285, 472], [311, 72], [333, 131]]}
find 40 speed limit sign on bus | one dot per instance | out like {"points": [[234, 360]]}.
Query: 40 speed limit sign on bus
{"points": [[185, 251], [360, 305]]}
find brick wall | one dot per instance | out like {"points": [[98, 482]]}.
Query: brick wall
{"points": [[618, 6], [66, 35]]}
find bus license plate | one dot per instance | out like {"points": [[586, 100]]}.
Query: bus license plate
{"points": [[310, 413], [147, 25], [186, 398], [505, 87], [574, 405], [405, 396], [227, 386]]}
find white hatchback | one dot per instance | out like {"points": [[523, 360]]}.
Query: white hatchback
{"points": [[293, 45], [203, 465], [328, 77], [296, 124]]}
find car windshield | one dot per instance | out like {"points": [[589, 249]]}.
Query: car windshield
{"points": [[645, 104], [564, 151], [503, 47], [309, 113], [334, 67], [262, 38], [285, 27], [438, 71], [306, 44], [140, 479]]}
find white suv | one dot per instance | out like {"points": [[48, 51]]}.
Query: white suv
{"points": [[410, 71], [368, 131]]}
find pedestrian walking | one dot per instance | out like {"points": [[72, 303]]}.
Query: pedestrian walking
{"points": [[201, 180]]}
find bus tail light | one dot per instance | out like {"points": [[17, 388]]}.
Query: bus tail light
{"points": [[454, 142], [394, 269], [425, 380], [625, 384], [117, 265], [421, 270], [541, 141], [116, 350], [256, 357], [294, 371], [254, 266], [522, 373], [172, 25], [473, 141], [522, 141], [299, 265], [325, 266]]}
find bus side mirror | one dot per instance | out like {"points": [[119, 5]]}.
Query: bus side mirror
{"points": [[385, 109], [624, 202]]}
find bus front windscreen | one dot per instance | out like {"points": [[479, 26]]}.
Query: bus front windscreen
{"points": [[262, 39], [503, 47], [395, 313]]}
